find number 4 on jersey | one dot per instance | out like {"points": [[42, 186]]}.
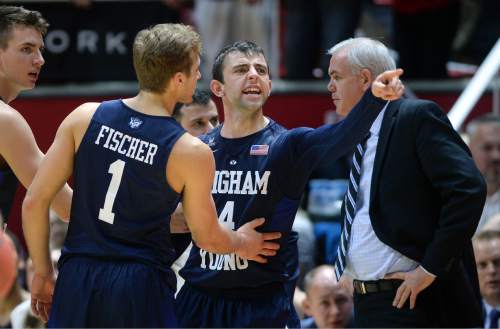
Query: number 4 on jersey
{"points": [[106, 212], [226, 215]]}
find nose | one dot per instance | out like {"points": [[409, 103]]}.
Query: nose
{"points": [[39, 60], [495, 154], [252, 72], [331, 86]]}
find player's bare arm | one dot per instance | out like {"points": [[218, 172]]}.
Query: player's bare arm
{"points": [[19, 149], [54, 171], [191, 170]]}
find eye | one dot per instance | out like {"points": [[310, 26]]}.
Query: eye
{"points": [[26, 50], [262, 70], [240, 69]]}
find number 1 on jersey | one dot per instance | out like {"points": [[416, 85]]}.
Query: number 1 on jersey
{"points": [[116, 169]]}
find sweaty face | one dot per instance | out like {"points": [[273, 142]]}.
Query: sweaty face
{"points": [[346, 88], [22, 60], [199, 119], [246, 81], [330, 304], [488, 268], [485, 148]]}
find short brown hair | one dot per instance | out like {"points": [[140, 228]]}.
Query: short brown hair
{"points": [[10, 16], [162, 51]]}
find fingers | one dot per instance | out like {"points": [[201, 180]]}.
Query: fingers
{"points": [[271, 236], [268, 252], [34, 308], [256, 222], [413, 300], [271, 245], [41, 309], [389, 75], [402, 295]]}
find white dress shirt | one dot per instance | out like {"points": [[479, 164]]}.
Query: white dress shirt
{"points": [[368, 258], [488, 308]]}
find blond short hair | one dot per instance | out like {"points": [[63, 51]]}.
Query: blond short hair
{"points": [[162, 51]]}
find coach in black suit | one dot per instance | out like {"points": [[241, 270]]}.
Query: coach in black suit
{"points": [[410, 215]]}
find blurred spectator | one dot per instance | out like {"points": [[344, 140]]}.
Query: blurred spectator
{"points": [[328, 302], [222, 22], [424, 31], [487, 252], [198, 117], [493, 223], [312, 26], [484, 143], [482, 33]]}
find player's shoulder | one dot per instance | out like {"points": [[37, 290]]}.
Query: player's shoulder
{"points": [[190, 147], [11, 120]]}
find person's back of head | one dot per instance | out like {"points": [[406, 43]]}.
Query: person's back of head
{"points": [[12, 16], [327, 301], [245, 47], [163, 50], [365, 53]]}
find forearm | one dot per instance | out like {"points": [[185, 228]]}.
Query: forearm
{"points": [[36, 233], [62, 203], [219, 240]]}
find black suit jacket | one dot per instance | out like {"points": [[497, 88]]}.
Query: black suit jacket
{"points": [[426, 199]]}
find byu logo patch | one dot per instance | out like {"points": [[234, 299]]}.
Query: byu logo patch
{"points": [[135, 122]]}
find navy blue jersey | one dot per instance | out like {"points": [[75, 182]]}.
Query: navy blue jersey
{"points": [[264, 175], [122, 202]]}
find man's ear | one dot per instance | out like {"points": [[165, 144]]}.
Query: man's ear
{"points": [[306, 306], [217, 88], [179, 78], [366, 77]]}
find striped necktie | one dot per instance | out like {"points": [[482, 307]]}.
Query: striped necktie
{"points": [[349, 207], [494, 316]]}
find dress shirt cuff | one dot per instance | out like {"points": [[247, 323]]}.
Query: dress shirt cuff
{"points": [[427, 271]]}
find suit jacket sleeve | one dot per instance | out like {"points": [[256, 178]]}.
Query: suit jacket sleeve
{"points": [[449, 166]]}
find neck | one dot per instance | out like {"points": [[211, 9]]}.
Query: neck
{"points": [[492, 188], [7, 94], [152, 103], [239, 123]]}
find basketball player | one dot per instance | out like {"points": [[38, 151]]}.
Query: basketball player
{"points": [[261, 170], [132, 163], [21, 45]]}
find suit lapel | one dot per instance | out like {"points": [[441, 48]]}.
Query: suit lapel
{"points": [[384, 136]]}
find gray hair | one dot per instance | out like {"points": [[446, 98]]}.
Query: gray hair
{"points": [[365, 53], [488, 118]]}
